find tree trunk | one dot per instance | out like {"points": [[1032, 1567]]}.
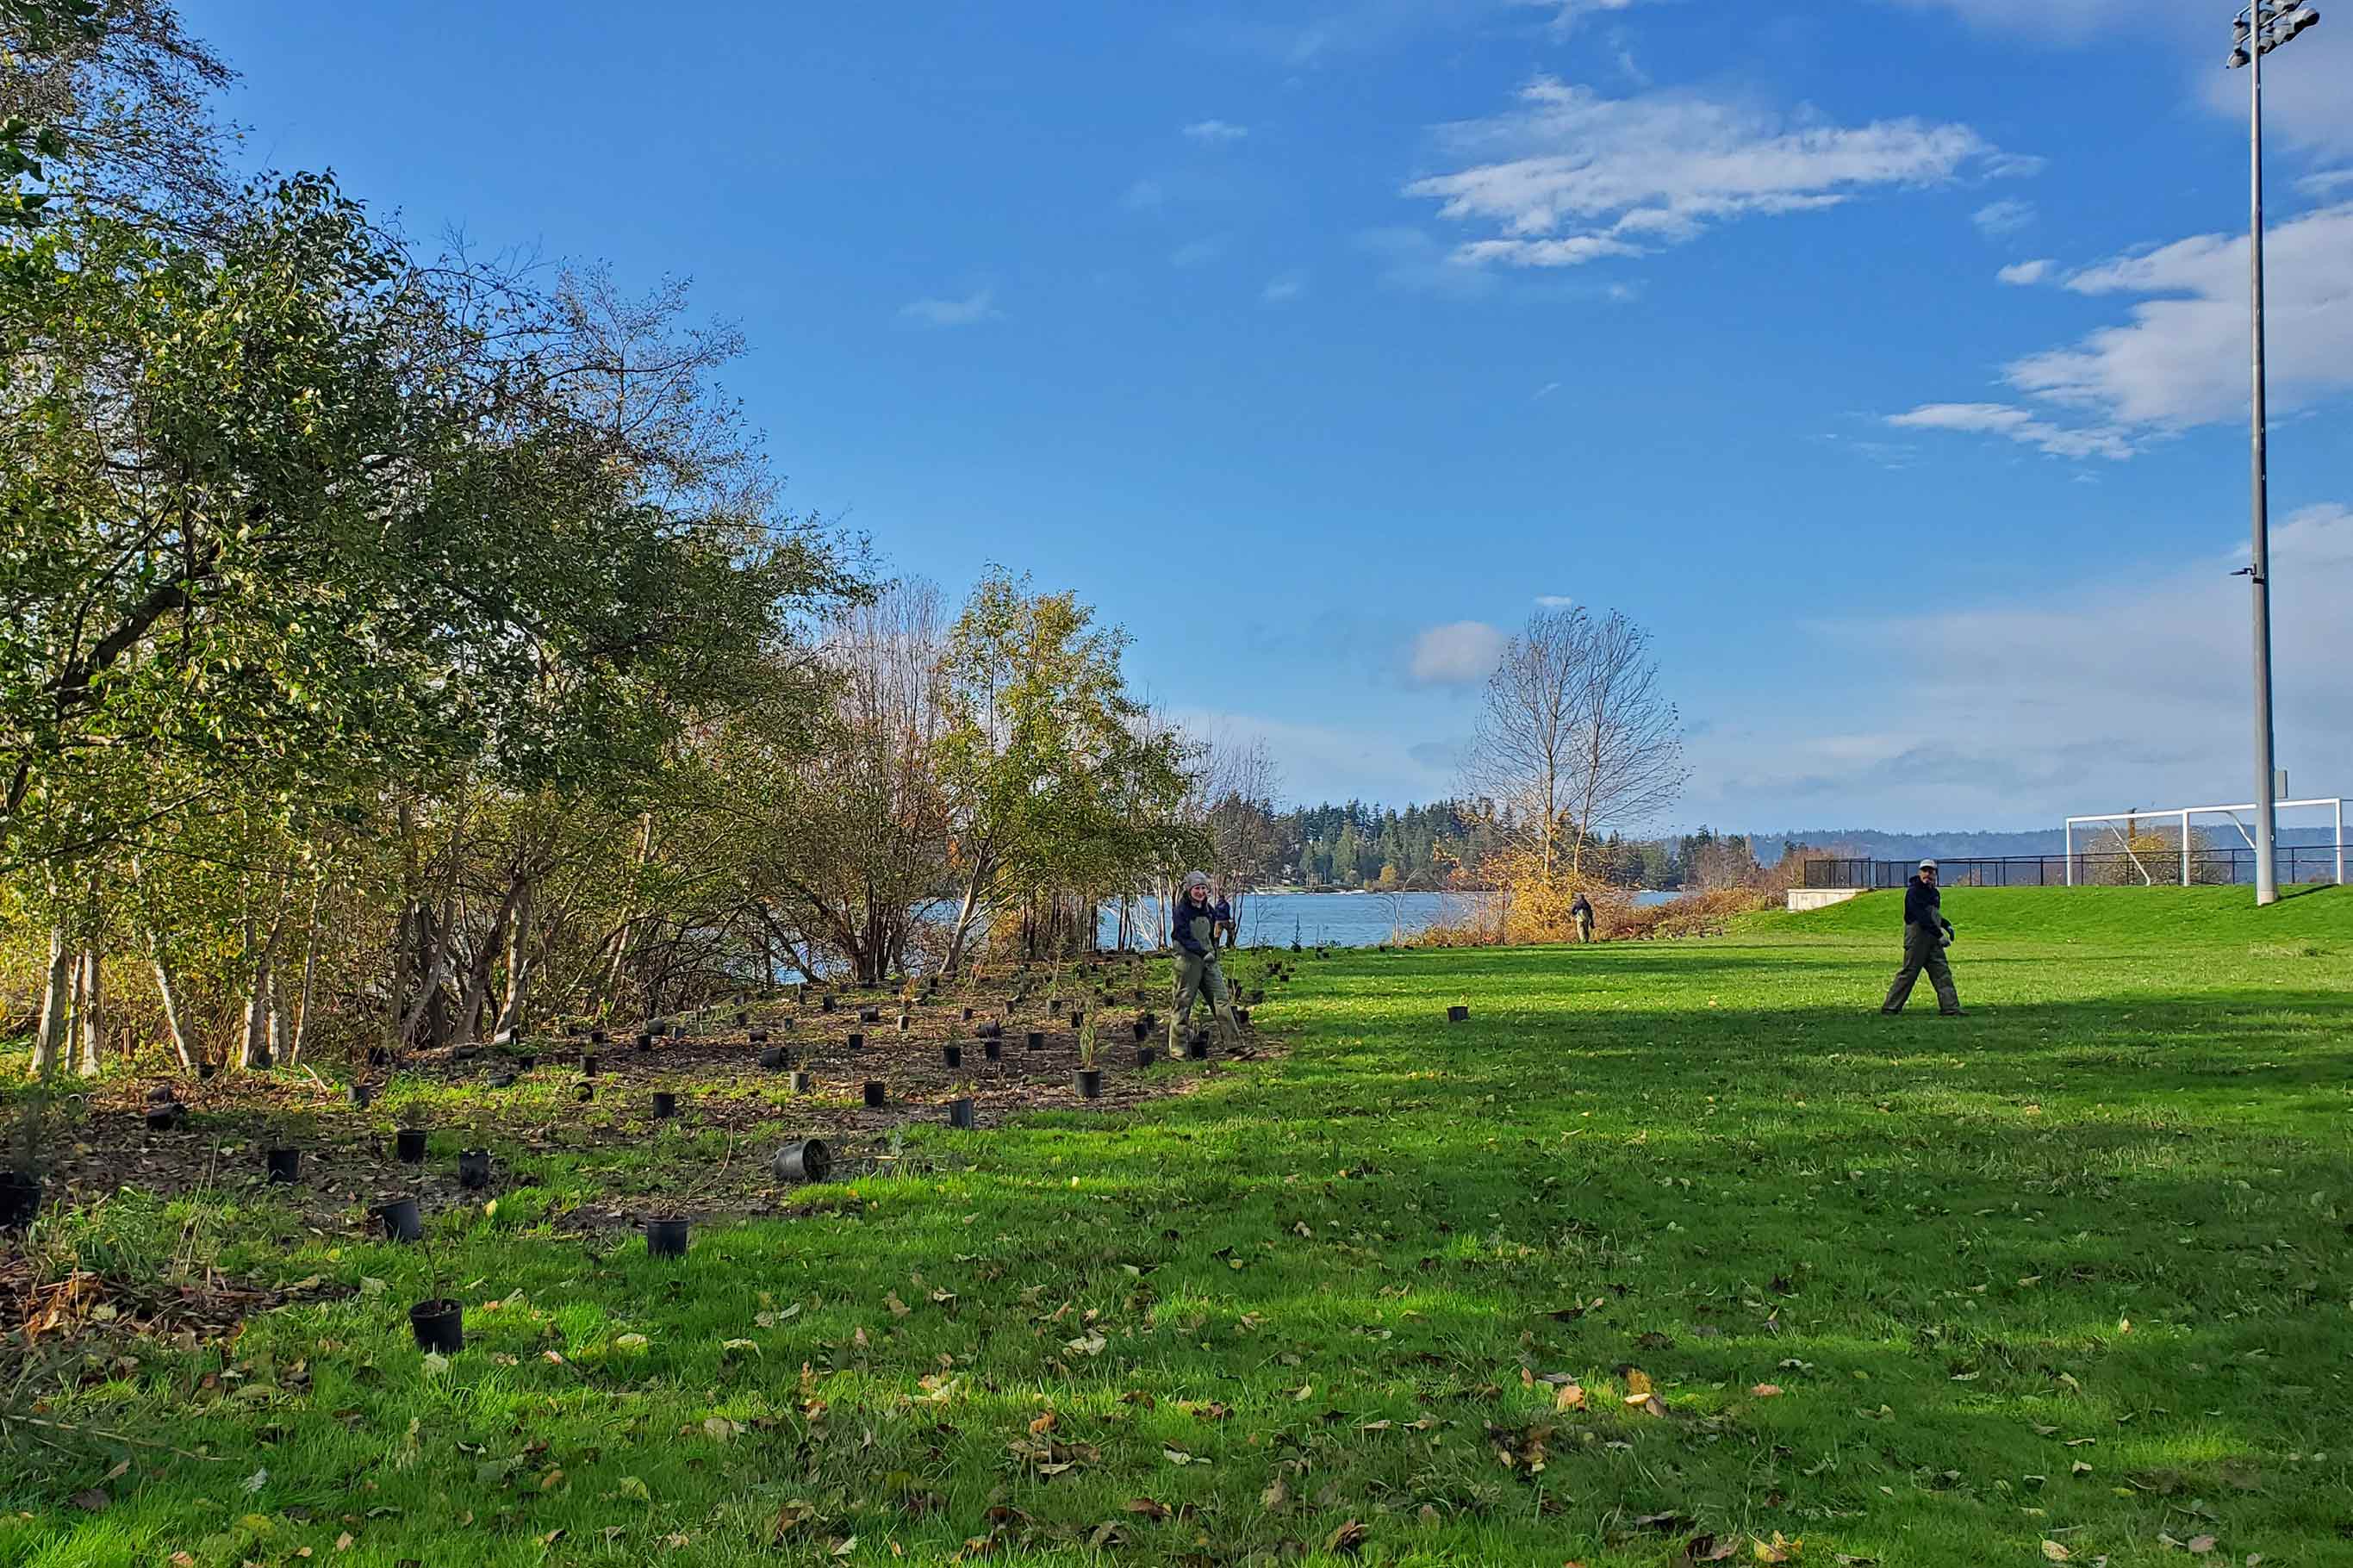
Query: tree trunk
{"points": [[90, 1016], [964, 912], [478, 973], [253, 1050], [294, 1051], [169, 990], [511, 1008], [51, 1042]]}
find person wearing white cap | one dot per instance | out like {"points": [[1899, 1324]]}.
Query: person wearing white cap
{"points": [[1927, 933], [1198, 973]]}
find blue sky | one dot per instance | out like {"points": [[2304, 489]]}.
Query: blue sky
{"points": [[1892, 371]]}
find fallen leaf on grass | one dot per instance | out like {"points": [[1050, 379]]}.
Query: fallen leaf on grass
{"points": [[1780, 1549], [1147, 1507], [2057, 1553], [1348, 1538], [2198, 1545], [898, 1309], [1570, 1398], [1708, 1549], [1766, 1390], [1637, 1383], [1274, 1496], [343, 1541]]}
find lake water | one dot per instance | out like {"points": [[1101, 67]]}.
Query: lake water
{"points": [[1336, 919]]}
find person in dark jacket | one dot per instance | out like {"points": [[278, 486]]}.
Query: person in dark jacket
{"points": [[1198, 973], [1222, 912], [1926, 934], [1581, 910]]}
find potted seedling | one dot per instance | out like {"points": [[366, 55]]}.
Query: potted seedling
{"points": [[400, 1219], [952, 1055], [474, 1159], [801, 1081], [439, 1322], [665, 1236], [283, 1158], [1089, 1081], [878, 1094], [960, 1113]]}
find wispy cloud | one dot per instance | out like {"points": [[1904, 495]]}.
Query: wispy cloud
{"points": [[975, 307], [1997, 218], [1546, 390], [1142, 196], [2018, 425], [1283, 288], [1198, 252], [2326, 182], [2021, 273], [1555, 602], [1215, 132], [1569, 176], [1460, 653]]}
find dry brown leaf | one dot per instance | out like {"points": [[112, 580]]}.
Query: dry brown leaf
{"points": [[2057, 1553], [1147, 1507], [1570, 1397], [1637, 1383], [2198, 1545], [1348, 1538], [1780, 1549], [1766, 1390], [1709, 1549], [1043, 1424]]}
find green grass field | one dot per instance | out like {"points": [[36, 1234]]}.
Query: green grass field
{"points": [[1672, 1250]]}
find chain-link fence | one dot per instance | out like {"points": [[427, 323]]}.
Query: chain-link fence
{"points": [[2212, 867]]}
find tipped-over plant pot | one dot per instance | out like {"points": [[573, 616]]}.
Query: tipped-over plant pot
{"points": [[1458, 1014], [775, 1058], [584, 1092], [439, 1326], [806, 1161], [952, 1055], [960, 1114], [801, 1082], [878, 1094], [400, 1219], [166, 1118], [1089, 1083], [870, 1015], [500, 1081], [759, 1036], [409, 1145], [285, 1165], [473, 1169], [665, 1104], [20, 1199], [666, 1237], [598, 1037], [1034, 1040]]}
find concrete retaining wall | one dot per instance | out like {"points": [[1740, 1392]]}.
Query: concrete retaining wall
{"points": [[1820, 897]]}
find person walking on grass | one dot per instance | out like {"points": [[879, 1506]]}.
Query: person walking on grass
{"points": [[1582, 911], [1198, 973], [1927, 933], [1223, 912]]}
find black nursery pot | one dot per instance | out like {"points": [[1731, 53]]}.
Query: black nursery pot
{"points": [[905, 1022], [377, 1056], [588, 1066], [1142, 1028], [665, 1104], [1197, 1048], [1089, 1082], [968, 1015], [645, 1042], [473, 1169], [361, 1096], [806, 1161], [20, 1199], [775, 1058], [285, 1164], [825, 1004], [857, 1042], [1242, 1016], [584, 1092], [1035, 1040], [877, 1093], [438, 1326], [1078, 1017], [400, 1220], [598, 1037], [993, 1048], [952, 1055], [409, 1145], [759, 1036], [166, 1118], [525, 1063], [801, 1083], [960, 1114], [666, 1237], [741, 1020], [1458, 1014], [870, 1015], [204, 1071], [1145, 1056]]}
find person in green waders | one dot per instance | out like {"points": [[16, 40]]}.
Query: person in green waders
{"points": [[1197, 973]]}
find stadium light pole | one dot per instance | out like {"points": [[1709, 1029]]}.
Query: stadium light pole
{"points": [[2260, 28]]}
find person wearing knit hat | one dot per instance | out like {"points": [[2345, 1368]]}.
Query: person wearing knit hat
{"points": [[1926, 934], [1198, 971]]}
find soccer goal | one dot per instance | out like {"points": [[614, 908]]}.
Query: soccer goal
{"points": [[2168, 844]]}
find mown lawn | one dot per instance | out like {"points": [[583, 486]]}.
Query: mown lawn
{"points": [[1672, 1250]]}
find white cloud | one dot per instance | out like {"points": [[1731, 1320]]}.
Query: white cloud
{"points": [[2017, 425], [1555, 602], [2025, 272], [2326, 183], [1215, 132], [1548, 389], [1566, 13], [2181, 359], [1458, 654], [1144, 196], [2126, 687], [978, 306], [1570, 176], [2305, 101], [1997, 218], [1283, 288]]}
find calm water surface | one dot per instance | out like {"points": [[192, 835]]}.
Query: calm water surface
{"points": [[1335, 919]]}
